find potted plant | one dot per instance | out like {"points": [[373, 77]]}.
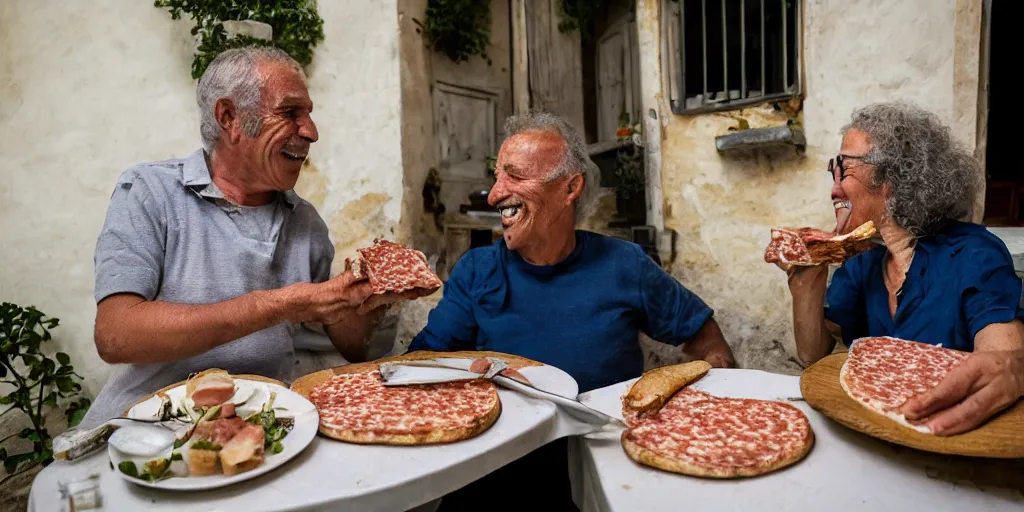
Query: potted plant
{"points": [[291, 25], [34, 384], [630, 188]]}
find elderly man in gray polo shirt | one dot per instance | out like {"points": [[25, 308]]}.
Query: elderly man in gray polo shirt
{"points": [[213, 260]]}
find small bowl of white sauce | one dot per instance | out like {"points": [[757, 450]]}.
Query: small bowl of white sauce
{"points": [[140, 444]]}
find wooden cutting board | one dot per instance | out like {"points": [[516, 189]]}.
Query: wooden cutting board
{"points": [[1001, 437]]}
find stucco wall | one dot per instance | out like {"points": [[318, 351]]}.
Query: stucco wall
{"points": [[722, 208], [90, 88]]}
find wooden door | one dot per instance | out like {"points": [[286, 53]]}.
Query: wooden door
{"points": [[618, 76], [471, 100]]}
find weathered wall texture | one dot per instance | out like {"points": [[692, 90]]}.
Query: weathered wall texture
{"points": [[84, 95], [418, 155], [722, 208]]}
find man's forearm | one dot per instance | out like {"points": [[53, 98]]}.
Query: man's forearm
{"points": [[351, 336], [709, 344], [132, 330]]}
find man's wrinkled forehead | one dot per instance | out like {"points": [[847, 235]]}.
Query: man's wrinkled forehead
{"points": [[535, 152], [283, 86]]}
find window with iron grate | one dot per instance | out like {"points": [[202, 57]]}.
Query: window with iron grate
{"points": [[726, 54]]}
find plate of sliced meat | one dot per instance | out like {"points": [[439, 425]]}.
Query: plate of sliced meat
{"points": [[809, 247], [215, 430], [683, 430], [863, 390]]}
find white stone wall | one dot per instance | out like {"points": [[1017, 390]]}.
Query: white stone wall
{"points": [[90, 88]]}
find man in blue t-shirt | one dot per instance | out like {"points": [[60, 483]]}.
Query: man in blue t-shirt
{"points": [[571, 299]]}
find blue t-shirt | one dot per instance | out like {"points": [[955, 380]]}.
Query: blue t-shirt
{"points": [[583, 314], [958, 283]]}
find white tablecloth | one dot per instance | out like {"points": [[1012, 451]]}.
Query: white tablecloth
{"points": [[845, 470], [331, 475]]}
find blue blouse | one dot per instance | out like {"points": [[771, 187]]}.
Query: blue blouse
{"points": [[958, 283]]}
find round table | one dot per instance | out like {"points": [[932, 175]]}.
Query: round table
{"points": [[331, 475], [845, 470]]}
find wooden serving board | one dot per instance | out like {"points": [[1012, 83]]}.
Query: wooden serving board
{"points": [[1001, 437]]}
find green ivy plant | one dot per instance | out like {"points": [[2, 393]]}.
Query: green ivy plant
{"points": [[38, 382], [578, 15], [459, 29], [296, 25]]}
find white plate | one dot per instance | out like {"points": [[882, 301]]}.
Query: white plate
{"points": [[551, 379], [306, 423]]}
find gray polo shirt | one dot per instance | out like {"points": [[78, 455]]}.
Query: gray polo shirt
{"points": [[170, 235]]}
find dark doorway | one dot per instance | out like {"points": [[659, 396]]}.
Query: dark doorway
{"points": [[1004, 176]]}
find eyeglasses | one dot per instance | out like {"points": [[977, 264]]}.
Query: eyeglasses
{"points": [[839, 161]]}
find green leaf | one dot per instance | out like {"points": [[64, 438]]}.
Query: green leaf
{"points": [[128, 467], [12, 462], [276, 447], [65, 384], [45, 458], [76, 417], [5, 400], [176, 456], [75, 411]]}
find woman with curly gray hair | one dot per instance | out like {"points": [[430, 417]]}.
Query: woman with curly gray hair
{"points": [[936, 280]]}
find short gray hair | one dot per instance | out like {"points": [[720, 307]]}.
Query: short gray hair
{"points": [[575, 160], [933, 179], [233, 74]]}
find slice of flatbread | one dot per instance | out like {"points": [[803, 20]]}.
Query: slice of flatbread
{"points": [[810, 247], [882, 372], [656, 386]]}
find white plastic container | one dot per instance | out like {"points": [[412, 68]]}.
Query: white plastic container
{"points": [[140, 444]]}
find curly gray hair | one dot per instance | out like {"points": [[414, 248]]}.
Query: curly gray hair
{"points": [[575, 160], [931, 177], [233, 74]]}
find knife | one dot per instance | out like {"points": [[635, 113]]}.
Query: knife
{"points": [[432, 371]]}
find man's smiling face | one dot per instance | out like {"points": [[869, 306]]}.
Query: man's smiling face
{"points": [[286, 128], [531, 204]]}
